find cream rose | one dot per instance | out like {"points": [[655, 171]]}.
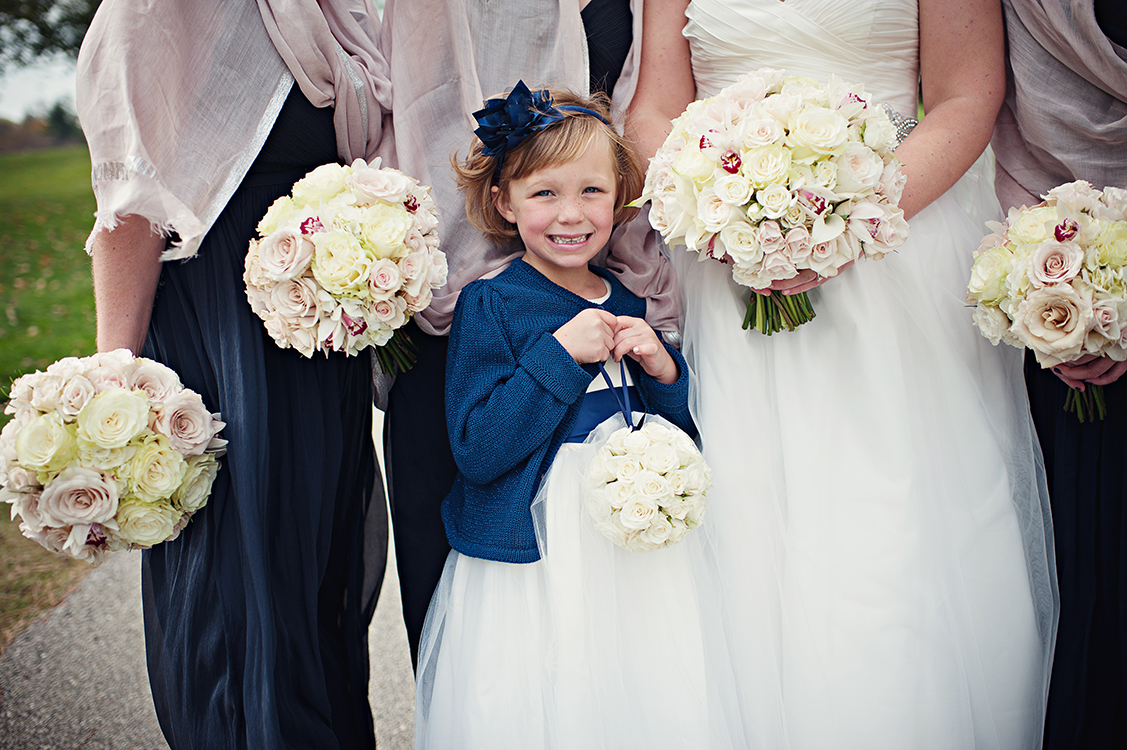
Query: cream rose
{"points": [[1055, 262], [650, 484], [770, 237], [658, 532], [1053, 321], [320, 185], [798, 245], [1111, 245], [79, 496], [75, 394], [284, 254], [187, 423], [626, 468], [384, 229], [341, 264], [144, 523], [391, 312], [46, 444], [113, 418], [194, 491], [766, 164], [46, 393], [988, 275], [384, 279], [734, 189], [994, 324], [618, 493], [279, 212], [660, 458], [157, 381], [296, 301], [762, 131], [741, 242], [371, 184], [157, 469], [1031, 226]]}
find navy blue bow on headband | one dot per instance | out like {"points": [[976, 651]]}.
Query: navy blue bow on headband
{"points": [[503, 124]]}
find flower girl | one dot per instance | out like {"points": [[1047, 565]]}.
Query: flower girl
{"points": [[542, 632]]}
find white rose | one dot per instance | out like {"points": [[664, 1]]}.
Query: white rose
{"points": [[626, 468], [892, 182], [859, 170], [340, 263], [45, 444], [817, 131], [714, 213], [650, 484], [144, 523], [284, 254], [370, 184], [741, 241], [1076, 196], [113, 418], [660, 457], [436, 272], [767, 164], [658, 532], [187, 423], [637, 513], [320, 185], [618, 493], [994, 324], [761, 131], [613, 530], [1053, 321], [734, 189], [79, 496], [776, 200], [694, 164], [880, 133], [194, 491], [47, 393]]}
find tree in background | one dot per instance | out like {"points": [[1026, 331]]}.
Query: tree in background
{"points": [[34, 29]]}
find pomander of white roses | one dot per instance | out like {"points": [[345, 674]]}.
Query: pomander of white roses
{"points": [[343, 262], [646, 487], [106, 452]]}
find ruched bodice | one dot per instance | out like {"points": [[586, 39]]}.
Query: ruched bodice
{"points": [[873, 42]]}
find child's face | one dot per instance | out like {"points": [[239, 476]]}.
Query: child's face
{"points": [[564, 213]]}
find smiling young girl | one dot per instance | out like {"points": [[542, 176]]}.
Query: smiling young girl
{"points": [[542, 633]]}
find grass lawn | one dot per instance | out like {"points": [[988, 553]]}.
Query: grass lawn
{"points": [[46, 312]]}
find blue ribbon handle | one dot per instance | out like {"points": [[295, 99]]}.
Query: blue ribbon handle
{"points": [[624, 399]]}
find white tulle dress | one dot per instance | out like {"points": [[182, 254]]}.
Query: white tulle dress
{"points": [[592, 647], [879, 511]]}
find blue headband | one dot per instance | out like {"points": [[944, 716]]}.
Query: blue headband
{"points": [[504, 124]]}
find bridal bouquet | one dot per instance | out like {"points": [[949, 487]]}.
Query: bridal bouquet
{"points": [[106, 452], [1051, 278], [647, 487], [345, 261], [777, 174]]}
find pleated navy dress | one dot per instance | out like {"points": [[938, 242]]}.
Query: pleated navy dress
{"points": [[256, 616], [1086, 465]]}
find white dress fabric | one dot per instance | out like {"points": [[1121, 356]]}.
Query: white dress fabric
{"points": [[878, 513], [591, 647]]}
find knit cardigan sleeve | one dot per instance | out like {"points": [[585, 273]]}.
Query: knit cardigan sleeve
{"points": [[502, 405]]}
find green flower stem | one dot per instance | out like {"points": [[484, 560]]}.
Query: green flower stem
{"points": [[774, 312], [1088, 405]]}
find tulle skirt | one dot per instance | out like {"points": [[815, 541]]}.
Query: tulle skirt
{"points": [[591, 647], [879, 511]]}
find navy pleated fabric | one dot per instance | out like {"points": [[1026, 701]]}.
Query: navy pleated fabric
{"points": [[1086, 466], [256, 616]]}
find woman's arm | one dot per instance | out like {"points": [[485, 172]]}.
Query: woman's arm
{"points": [[962, 66], [126, 265], [665, 76]]}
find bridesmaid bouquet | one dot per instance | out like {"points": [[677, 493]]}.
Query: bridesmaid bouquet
{"points": [[777, 174], [105, 453], [345, 261], [1051, 278], [647, 486]]}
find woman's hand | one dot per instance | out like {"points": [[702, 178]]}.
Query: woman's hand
{"points": [[635, 339], [589, 336], [126, 266], [1090, 369], [803, 282]]}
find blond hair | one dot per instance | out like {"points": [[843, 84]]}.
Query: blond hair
{"points": [[559, 143]]}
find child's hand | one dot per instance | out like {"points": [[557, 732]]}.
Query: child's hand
{"points": [[635, 338], [589, 336]]}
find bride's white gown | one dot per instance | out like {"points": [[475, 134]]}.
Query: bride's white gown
{"points": [[878, 514]]}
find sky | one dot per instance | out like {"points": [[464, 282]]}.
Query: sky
{"points": [[35, 88]]}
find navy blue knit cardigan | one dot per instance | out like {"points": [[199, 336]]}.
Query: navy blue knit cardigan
{"points": [[512, 395]]}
